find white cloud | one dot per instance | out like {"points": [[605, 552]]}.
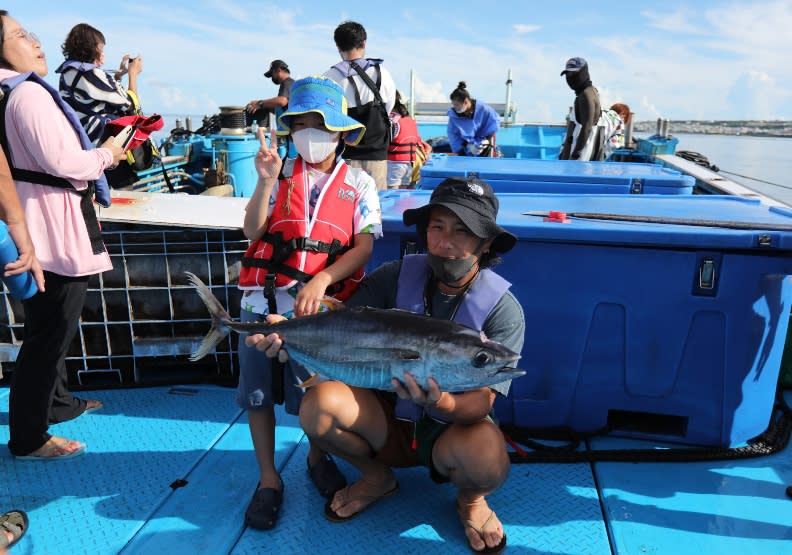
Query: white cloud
{"points": [[756, 95], [523, 28], [675, 22], [708, 61]]}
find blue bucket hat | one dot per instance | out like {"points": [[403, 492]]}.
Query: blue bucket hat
{"points": [[325, 97]]}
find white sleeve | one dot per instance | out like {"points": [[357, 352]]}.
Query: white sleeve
{"points": [[387, 90]]}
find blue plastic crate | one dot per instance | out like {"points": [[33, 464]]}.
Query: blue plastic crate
{"points": [[661, 331]]}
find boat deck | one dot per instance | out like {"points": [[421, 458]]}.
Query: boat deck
{"points": [[171, 469]]}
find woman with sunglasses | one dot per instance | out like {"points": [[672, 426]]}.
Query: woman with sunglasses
{"points": [[56, 170]]}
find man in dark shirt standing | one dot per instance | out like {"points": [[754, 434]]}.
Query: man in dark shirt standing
{"points": [[261, 109], [582, 141]]}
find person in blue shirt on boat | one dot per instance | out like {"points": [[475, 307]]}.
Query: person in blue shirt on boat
{"points": [[312, 222], [472, 125], [452, 434], [583, 140]]}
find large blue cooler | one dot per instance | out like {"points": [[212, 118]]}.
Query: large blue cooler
{"points": [[653, 329], [513, 175]]}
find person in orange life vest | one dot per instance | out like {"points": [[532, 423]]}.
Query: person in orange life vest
{"points": [[403, 146], [315, 196]]}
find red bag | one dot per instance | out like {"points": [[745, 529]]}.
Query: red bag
{"points": [[143, 125]]}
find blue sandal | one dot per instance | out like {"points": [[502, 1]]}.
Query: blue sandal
{"points": [[264, 509]]}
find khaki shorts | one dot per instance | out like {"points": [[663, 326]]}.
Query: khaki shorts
{"points": [[377, 169]]}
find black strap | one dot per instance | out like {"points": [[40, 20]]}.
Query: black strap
{"points": [[281, 249], [165, 175], [375, 87], [371, 85], [33, 176], [276, 268]]}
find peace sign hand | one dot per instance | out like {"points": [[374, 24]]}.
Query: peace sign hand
{"points": [[268, 163]]}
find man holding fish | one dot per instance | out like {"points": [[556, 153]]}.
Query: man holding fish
{"points": [[419, 421]]}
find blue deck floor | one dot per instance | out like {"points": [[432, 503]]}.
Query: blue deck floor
{"points": [[118, 497]]}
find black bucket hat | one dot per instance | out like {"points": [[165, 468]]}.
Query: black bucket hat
{"points": [[474, 202]]}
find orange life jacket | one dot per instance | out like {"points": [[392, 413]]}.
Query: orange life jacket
{"points": [[296, 247], [403, 146]]}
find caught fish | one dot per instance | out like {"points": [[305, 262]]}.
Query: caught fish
{"points": [[366, 347]]}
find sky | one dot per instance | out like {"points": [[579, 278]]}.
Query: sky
{"points": [[693, 59]]}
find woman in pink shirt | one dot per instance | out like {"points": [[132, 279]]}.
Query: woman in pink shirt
{"points": [[54, 167]]}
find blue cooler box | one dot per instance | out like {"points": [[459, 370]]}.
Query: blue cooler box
{"points": [[657, 330], [512, 175]]}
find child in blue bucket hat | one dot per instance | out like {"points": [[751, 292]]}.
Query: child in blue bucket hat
{"points": [[311, 222]]}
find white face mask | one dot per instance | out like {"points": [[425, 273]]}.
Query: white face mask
{"points": [[314, 145]]}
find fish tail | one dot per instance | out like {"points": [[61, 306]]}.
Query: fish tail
{"points": [[219, 330]]}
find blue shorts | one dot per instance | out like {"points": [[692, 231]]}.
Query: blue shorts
{"points": [[254, 391]]}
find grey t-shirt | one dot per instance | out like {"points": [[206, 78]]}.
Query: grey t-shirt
{"points": [[285, 87], [505, 324]]}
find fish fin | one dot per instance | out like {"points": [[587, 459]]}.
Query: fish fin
{"points": [[219, 316]]}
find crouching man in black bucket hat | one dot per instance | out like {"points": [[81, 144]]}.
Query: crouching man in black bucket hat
{"points": [[452, 434]]}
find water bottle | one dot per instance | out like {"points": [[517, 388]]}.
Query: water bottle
{"points": [[21, 286]]}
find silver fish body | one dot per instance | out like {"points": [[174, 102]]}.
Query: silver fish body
{"points": [[367, 347]]}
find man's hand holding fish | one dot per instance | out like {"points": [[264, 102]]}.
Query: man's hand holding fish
{"points": [[272, 344], [409, 389]]}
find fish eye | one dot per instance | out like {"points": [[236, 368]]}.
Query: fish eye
{"points": [[481, 359]]}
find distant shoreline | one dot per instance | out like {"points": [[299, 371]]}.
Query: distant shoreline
{"points": [[752, 128]]}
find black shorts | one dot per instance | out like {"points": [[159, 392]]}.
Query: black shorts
{"points": [[409, 443]]}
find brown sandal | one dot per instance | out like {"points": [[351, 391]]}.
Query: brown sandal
{"points": [[14, 522]]}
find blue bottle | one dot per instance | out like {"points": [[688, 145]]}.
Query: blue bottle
{"points": [[21, 286]]}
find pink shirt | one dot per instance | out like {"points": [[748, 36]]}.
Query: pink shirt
{"points": [[41, 139]]}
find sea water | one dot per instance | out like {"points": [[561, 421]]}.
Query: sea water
{"points": [[760, 163]]}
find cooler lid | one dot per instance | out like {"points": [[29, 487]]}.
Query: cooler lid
{"points": [[653, 220], [566, 171]]}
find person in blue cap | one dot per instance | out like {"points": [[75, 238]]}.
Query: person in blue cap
{"points": [[582, 141], [312, 224]]}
